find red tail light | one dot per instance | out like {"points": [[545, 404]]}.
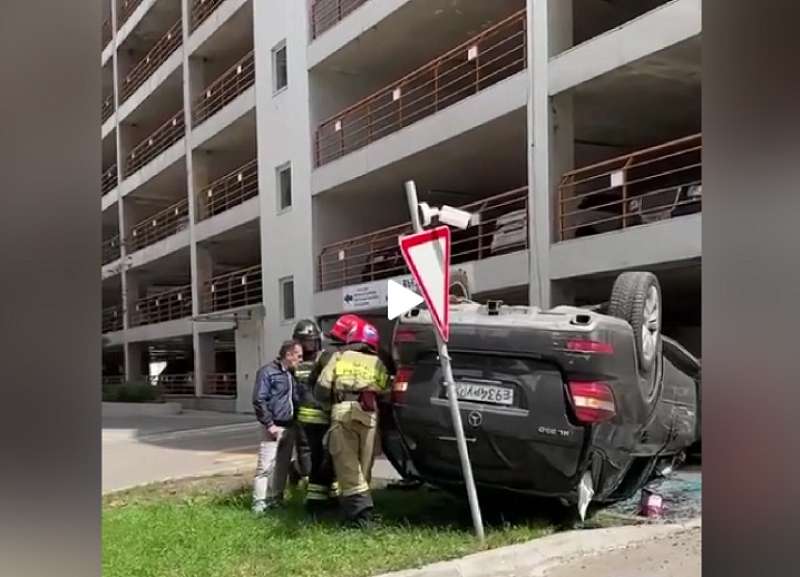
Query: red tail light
{"points": [[400, 385], [593, 401], [592, 347]]}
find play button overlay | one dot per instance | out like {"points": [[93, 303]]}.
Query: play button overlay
{"points": [[401, 300]]}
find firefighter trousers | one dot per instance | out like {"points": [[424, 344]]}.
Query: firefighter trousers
{"points": [[321, 487], [352, 448]]}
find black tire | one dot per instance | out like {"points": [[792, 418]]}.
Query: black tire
{"points": [[636, 298]]}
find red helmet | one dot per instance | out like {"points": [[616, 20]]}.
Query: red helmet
{"points": [[366, 334], [344, 326], [350, 329]]}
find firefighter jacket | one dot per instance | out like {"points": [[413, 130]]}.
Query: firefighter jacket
{"points": [[306, 373], [353, 371]]}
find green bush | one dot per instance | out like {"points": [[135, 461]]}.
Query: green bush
{"points": [[133, 392]]}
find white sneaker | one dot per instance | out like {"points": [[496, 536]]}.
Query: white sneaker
{"points": [[259, 507]]}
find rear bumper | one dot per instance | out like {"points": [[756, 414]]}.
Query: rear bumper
{"points": [[502, 457]]}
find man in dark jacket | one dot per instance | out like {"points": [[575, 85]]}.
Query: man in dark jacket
{"points": [[276, 396]]}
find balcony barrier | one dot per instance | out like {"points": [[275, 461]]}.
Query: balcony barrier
{"points": [[325, 14], [645, 186], [225, 89], [500, 226], [107, 33], [486, 59], [108, 108], [126, 9], [111, 250], [166, 306], [220, 384], [201, 10], [232, 290], [112, 319], [108, 180], [113, 380], [179, 384], [161, 225], [158, 54], [229, 191], [165, 136]]}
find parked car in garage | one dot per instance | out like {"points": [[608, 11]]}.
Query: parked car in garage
{"points": [[551, 400]]}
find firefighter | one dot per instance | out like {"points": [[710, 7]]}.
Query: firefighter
{"points": [[314, 414], [352, 380], [313, 419]]}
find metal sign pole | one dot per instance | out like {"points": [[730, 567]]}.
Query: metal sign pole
{"points": [[449, 381]]}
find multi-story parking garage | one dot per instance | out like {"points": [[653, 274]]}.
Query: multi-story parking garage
{"points": [[254, 155]]}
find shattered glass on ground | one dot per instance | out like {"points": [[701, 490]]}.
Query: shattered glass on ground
{"points": [[682, 494]]}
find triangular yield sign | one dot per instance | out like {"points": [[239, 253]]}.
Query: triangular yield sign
{"points": [[427, 255]]}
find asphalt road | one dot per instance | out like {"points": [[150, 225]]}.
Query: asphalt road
{"points": [[151, 449]]}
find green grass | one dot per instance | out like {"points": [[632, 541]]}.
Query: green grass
{"points": [[205, 528]]}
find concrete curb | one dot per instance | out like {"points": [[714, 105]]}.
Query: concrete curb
{"points": [[140, 409], [533, 558]]}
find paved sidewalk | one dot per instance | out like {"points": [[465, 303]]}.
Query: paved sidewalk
{"points": [[677, 555], [599, 553]]}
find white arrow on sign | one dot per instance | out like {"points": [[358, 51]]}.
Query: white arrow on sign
{"points": [[401, 300], [427, 255]]}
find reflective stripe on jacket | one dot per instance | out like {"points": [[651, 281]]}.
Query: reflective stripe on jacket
{"points": [[354, 371]]}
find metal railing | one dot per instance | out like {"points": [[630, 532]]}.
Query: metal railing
{"points": [[157, 55], [108, 180], [161, 225], [108, 107], [126, 8], [232, 290], [107, 32], [225, 89], [220, 384], [201, 10], [111, 249], [326, 14], [486, 59], [645, 186], [113, 380], [229, 191], [500, 226], [180, 384], [164, 136], [112, 319], [165, 306]]}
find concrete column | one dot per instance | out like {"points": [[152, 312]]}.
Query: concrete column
{"points": [[203, 342], [550, 26], [131, 292], [200, 179], [204, 360], [204, 270], [199, 270], [286, 245], [135, 361], [249, 358], [198, 80]]}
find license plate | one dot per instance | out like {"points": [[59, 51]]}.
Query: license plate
{"points": [[484, 393]]}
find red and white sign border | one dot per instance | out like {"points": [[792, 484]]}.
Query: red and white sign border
{"points": [[408, 242]]}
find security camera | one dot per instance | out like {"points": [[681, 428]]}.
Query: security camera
{"points": [[455, 217], [427, 213]]}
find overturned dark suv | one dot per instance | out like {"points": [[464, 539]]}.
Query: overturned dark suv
{"points": [[555, 403]]}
